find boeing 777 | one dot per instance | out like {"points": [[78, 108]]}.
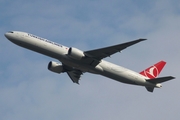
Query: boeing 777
{"points": [[76, 62]]}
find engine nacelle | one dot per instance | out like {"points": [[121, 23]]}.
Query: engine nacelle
{"points": [[55, 67], [75, 53]]}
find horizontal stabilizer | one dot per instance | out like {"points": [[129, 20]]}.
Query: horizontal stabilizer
{"points": [[150, 89], [160, 79]]}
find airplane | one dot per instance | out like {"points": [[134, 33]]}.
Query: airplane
{"points": [[76, 62]]}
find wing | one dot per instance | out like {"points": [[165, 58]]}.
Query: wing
{"points": [[108, 51], [75, 75], [93, 57]]}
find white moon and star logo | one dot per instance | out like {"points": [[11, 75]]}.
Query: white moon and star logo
{"points": [[152, 72]]}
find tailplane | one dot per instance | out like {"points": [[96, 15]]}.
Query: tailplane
{"points": [[157, 82], [152, 73]]}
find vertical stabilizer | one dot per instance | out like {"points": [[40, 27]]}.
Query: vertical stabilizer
{"points": [[153, 71]]}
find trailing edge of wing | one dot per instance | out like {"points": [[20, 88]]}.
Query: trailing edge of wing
{"points": [[75, 75], [108, 51]]}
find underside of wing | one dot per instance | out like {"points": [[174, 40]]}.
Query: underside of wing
{"points": [[75, 75], [108, 51]]}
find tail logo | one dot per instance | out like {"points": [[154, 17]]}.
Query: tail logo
{"points": [[152, 72]]}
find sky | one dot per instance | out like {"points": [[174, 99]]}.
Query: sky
{"points": [[29, 91]]}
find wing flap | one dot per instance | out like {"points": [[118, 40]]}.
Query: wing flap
{"points": [[75, 75]]}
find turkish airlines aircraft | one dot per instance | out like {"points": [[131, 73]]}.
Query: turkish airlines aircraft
{"points": [[76, 62]]}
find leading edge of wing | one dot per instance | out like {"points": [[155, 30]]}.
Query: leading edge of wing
{"points": [[108, 51]]}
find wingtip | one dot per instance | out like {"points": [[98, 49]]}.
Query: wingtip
{"points": [[142, 39], [77, 82]]}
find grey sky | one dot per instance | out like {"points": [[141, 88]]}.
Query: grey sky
{"points": [[29, 91]]}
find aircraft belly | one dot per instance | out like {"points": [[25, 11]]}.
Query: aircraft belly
{"points": [[118, 77], [81, 65]]}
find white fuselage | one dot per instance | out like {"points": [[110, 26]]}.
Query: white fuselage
{"points": [[60, 52]]}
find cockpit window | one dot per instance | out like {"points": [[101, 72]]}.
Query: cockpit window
{"points": [[10, 32]]}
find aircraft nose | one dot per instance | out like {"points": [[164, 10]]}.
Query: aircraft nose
{"points": [[8, 34]]}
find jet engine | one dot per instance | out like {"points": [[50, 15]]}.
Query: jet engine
{"points": [[75, 53], [55, 67]]}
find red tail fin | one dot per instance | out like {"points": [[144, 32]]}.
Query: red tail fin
{"points": [[153, 71]]}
